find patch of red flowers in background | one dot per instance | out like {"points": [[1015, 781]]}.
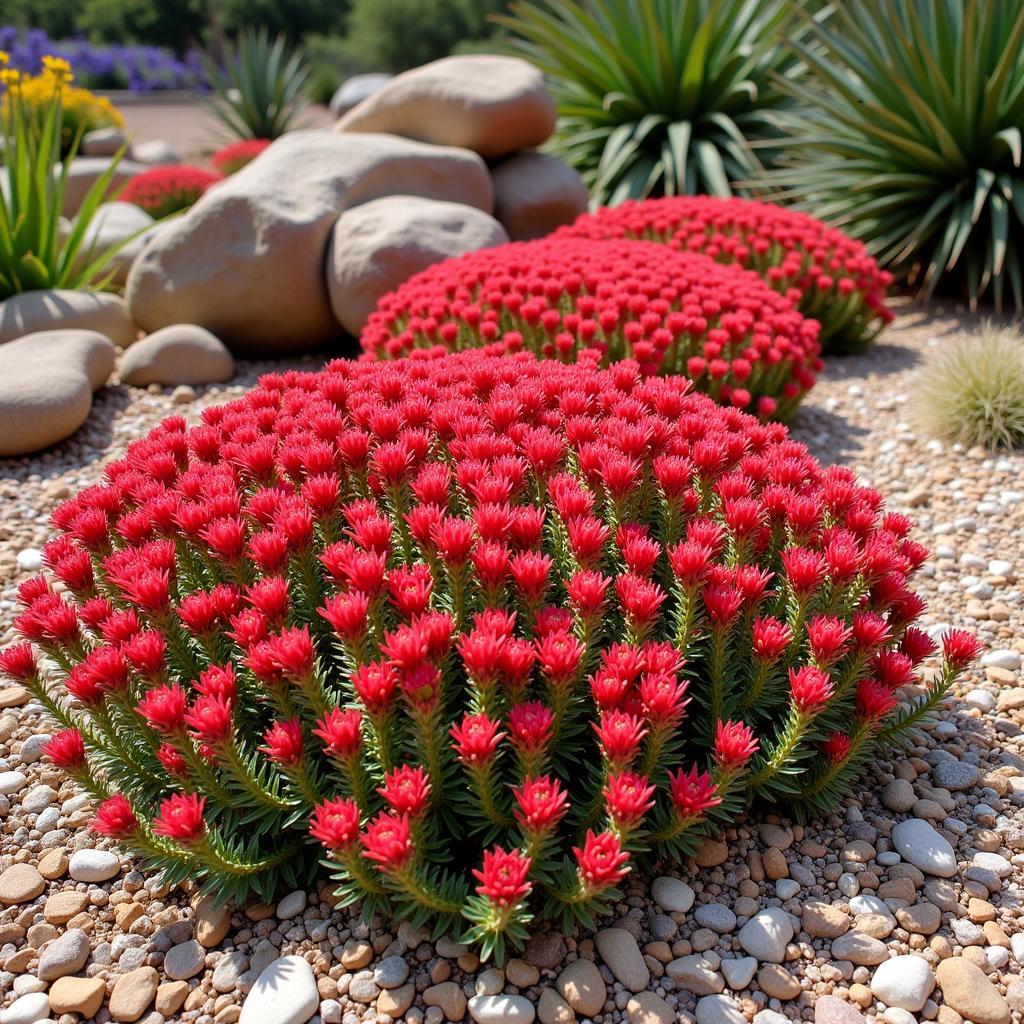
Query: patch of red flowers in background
{"points": [[234, 157], [723, 328], [161, 191], [829, 275]]}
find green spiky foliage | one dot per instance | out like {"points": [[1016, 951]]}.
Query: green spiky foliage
{"points": [[261, 88], [659, 97], [35, 250], [910, 136], [971, 392], [490, 630]]}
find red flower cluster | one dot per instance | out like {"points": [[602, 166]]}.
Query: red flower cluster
{"points": [[829, 275], [161, 191], [580, 611], [235, 156], [681, 313]]}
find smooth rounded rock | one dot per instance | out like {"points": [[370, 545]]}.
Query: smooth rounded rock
{"points": [[67, 954], [580, 984], [535, 193], [391, 972], [179, 354], [903, 981], [356, 89], [103, 142], [156, 151], [27, 1009], [489, 104], [284, 993], [917, 842], [719, 1010], [93, 865], [767, 934], [132, 994], [619, 950], [84, 171], [673, 895], [64, 308], [247, 261], [497, 1009], [47, 385], [124, 225], [20, 883], [967, 990], [859, 949], [380, 244], [649, 1008], [83, 996], [184, 961], [13, 782]]}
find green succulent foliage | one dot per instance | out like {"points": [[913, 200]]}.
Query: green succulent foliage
{"points": [[659, 97], [261, 88], [910, 136]]}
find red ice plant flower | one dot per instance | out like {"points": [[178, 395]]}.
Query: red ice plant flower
{"points": [[404, 605], [232, 158], [829, 275], [730, 333]]}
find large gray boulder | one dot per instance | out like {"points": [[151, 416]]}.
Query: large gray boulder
{"points": [[535, 193], [247, 261], [59, 308], [376, 246], [46, 385], [492, 105]]}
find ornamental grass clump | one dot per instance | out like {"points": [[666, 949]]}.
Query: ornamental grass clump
{"points": [[162, 191], [488, 631], [828, 275], [565, 298]]}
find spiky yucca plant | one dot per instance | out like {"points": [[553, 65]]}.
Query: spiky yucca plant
{"points": [[973, 392], [910, 136], [658, 97]]}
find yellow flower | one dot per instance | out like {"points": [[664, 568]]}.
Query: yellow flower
{"points": [[9, 77], [57, 66], [4, 57]]}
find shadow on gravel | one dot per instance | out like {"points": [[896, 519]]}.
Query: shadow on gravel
{"points": [[829, 436]]}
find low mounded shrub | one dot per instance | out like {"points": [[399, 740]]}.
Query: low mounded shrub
{"points": [[722, 327], [235, 156], [827, 274], [973, 391], [161, 191], [487, 629]]}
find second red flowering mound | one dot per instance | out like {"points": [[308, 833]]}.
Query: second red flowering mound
{"points": [[722, 327], [828, 274], [165, 190], [234, 157], [488, 629]]}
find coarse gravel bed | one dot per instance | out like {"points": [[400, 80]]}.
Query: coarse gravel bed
{"points": [[850, 899]]}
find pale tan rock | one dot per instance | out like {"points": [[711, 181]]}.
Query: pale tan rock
{"points": [[83, 996], [777, 982], [170, 996], [85, 171], [132, 994], [247, 261], [449, 997], [213, 921], [380, 244], [824, 920], [63, 308], [580, 984], [619, 950], [179, 354], [62, 906], [535, 193], [968, 991], [53, 864], [649, 1008], [19, 884], [492, 105], [395, 1001], [46, 386]]}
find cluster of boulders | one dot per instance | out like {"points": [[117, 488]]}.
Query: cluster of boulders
{"points": [[298, 246], [292, 251], [58, 347]]}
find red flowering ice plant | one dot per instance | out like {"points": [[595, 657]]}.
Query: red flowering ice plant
{"points": [[234, 157], [486, 629], [722, 327], [829, 275], [161, 191]]}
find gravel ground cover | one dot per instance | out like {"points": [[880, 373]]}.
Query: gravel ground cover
{"points": [[905, 905]]}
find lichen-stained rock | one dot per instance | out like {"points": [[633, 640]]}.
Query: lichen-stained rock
{"points": [[377, 246], [247, 261], [534, 193], [46, 385], [492, 105]]}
